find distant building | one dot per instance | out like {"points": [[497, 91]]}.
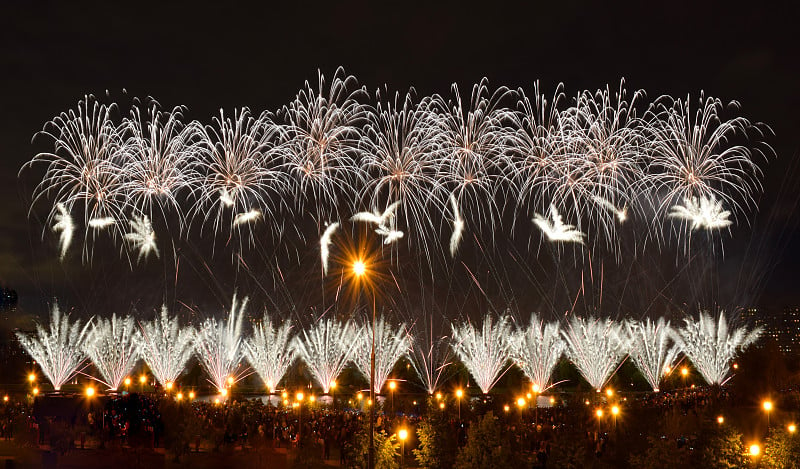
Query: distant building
{"points": [[781, 326]]}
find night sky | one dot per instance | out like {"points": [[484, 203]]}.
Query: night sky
{"points": [[212, 56]]}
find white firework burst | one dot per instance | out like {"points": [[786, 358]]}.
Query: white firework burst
{"points": [[325, 243], [596, 347], [101, 223], [536, 349], [652, 350], [65, 227], [326, 348], [165, 346], [458, 227], [385, 219], [484, 351], [705, 213], [555, 230], [58, 350], [269, 350], [247, 217], [390, 346], [113, 348], [711, 345], [142, 237], [220, 349]]}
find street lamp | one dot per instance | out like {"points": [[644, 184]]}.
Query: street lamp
{"points": [[720, 420], [521, 405], [333, 394], [89, 391], [299, 398], [755, 450], [402, 435], [142, 380], [536, 390], [32, 377], [615, 412], [767, 405], [127, 382]]}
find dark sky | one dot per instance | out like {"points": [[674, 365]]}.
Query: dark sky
{"points": [[226, 55]]}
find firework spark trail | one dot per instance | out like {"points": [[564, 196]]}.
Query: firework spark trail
{"points": [[113, 348], [711, 345], [651, 349], [390, 346], [269, 350], [58, 350], [219, 347], [483, 351], [536, 349], [166, 346], [385, 219], [65, 226], [595, 346], [326, 348]]}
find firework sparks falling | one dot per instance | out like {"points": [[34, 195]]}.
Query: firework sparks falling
{"points": [[712, 345], [219, 347], [390, 346], [704, 213], [326, 348], [536, 349], [596, 347], [113, 348], [651, 350], [483, 351], [165, 346], [269, 351], [59, 351], [458, 227]]}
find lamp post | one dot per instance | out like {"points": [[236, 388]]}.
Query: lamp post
{"points": [[459, 395], [392, 386], [360, 271], [300, 397], [333, 394], [402, 435], [767, 405], [536, 390]]}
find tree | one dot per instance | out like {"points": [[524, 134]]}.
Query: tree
{"points": [[724, 450], [487, 447], [437, 443], [569, 452], [781, 450], [387, 450], [661, 453]]}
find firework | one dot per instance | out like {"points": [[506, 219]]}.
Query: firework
{"points": [[325, 245], [326, 348], [712, 345], [458, 227], [389, 235], [385, 219], [651, 349], [101, 223], [484, 351], [59, 351], [142, 237], [113, 349], [390, 346], [537, 349], [555, 230], [595, 347], [219, 347], [269, 351], [165, 346], [247, 217], [65, 226], [430, 356], [705, 213]]}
